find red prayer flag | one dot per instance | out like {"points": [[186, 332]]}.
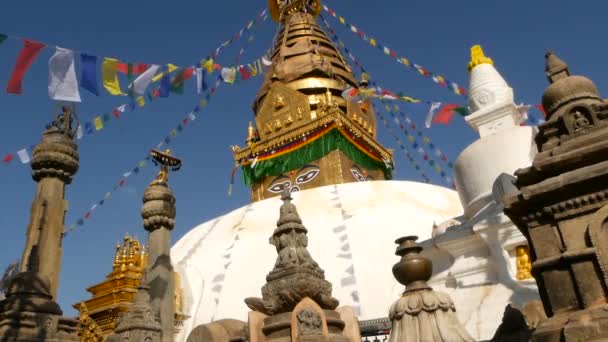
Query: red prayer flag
{"points": [[135, 68], [8, 158], [188, 73], [116, 113], [245, 74], [122, 182], [542, 109], [155, 92], [28, 54], [185, 121], [445, 114], [87, 215]]}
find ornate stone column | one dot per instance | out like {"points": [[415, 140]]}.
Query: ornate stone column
{"points": [[29, 312], [296, 303], [421, 314], [561, 206], [158, 213], [54, 164]]}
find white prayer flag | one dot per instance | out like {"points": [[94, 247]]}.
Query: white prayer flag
{"points": [[143, 81], [266, 62], [24, 156], [192, 116], [63, 85], [79, 132], [229, 75], [199, 80], [431, 114], [122, 108]]}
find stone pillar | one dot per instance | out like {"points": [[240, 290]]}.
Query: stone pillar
{"points": [[561, 206], [29, 312], [158, 215], [296, 303], [54, 163], [140, 322]]}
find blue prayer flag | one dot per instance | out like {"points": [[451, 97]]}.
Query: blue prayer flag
{"points": [[88, 73], [165, 85]]}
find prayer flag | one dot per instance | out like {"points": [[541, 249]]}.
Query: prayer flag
{"points": [[24, 156], [447, 112], [3, 37], [88, 73], [106, 117], [431, 114], [229, 75], [110, 76], [26, 57], [98, 124], [165, 85], [116, 113], [63, 85], [245, 74], [143, 81], [88, 127], [266, 62], [141, 101], [79, 132], [542, 109], [177, 85], [199, 80], [8, 158]]}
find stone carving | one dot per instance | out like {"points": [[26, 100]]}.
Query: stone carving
{"points": [[421, 314], [561, 205], [295, 275], [309, 323]]}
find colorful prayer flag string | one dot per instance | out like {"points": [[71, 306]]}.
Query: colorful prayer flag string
{"points": [[438, 79], [388, 95], [98, 122]]}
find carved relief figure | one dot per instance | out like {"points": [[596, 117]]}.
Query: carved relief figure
{"points": [[579, 120], [524, 264], [309, 323]]}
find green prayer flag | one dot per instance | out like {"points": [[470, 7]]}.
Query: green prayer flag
{"points": [[462, 111], [106, 117], [3, 37]]}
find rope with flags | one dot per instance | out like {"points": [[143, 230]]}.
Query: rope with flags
{"points": [[438, 79]]}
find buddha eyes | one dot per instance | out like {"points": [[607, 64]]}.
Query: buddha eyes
{"points": [[278, 187], [307, 176], [358, 176]]}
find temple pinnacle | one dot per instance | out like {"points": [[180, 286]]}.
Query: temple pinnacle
{"points": [[478, 57]]}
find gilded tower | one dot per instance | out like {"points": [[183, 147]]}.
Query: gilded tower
{"points": [[306, 134]]}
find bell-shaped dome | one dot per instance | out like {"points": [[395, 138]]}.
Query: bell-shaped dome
{"points": [[565, 88]]}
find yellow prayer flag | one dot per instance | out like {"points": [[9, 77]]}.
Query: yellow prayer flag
{"points": [[174, 133], [142, 163], [141, 101], [207, 64], [372, 42], [158, 77], [98, 123], [172, 67], [203, 103], [405, 61], [342, 20], [110, 77]]}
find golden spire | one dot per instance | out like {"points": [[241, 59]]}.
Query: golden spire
{"points": [[280, 9], [478, 57]]}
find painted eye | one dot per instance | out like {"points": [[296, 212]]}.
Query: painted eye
{"points": [[358, 176], [294, 188], [307, 176], [278, 187]]}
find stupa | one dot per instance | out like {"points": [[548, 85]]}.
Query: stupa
{"points": [[322, 148], [480, 258]]}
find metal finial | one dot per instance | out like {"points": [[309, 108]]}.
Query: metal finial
{"points": [[286, 195], [165, 160]]}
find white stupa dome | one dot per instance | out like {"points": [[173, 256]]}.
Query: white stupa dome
{"points": [[351, 229]]}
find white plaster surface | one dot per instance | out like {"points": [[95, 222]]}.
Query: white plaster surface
{"points": [[227, 259]]}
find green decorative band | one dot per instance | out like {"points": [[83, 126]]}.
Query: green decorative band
{"points": [[334, 140]]}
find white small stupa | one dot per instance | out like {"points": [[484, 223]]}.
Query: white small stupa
{"points": [[480, 258]]}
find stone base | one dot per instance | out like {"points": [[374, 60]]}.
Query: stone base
{"points": [[36, 327], [29, 314], [589, 325], [306, 323]]}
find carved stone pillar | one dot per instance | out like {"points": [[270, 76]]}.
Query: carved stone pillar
{"points": [[561, 208], [296, 303], [54, 164], [158, 215]]}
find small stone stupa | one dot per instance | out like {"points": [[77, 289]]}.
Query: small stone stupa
{"points": [[421, 314], [296, 300]]}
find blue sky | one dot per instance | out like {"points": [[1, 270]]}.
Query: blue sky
{"points": [[434, 34]]}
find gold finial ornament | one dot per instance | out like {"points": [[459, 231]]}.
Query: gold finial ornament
{"points": [[478, 57], [165, 160], [280, 9], [524, 263]]}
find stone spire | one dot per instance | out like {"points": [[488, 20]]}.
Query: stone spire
{"points": [[490, 97], [158, 213], [421, 314], [140, 322], [561, 207], [30, 311], [54, 163], [295, 275]]}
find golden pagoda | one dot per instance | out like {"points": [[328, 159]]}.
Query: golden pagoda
{"points": [[116, 293], [306, 134]]}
